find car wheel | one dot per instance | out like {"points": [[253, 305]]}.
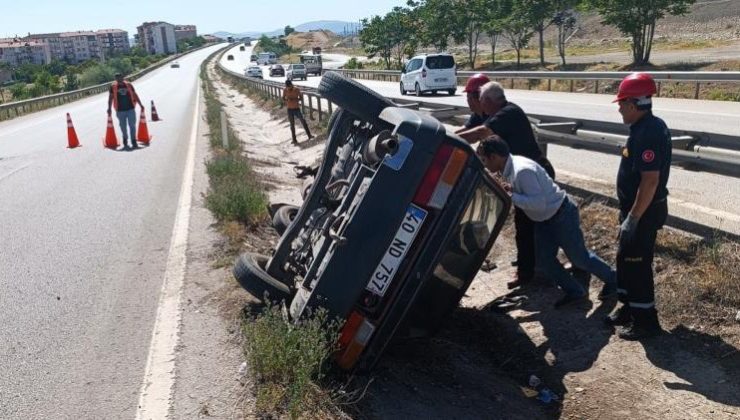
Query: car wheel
{"points": [[434, 92], [403, 91], [417, 89], [352, 96], [283, 217], [249, 271], [451, 92]]}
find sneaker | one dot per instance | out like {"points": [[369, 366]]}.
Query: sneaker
{"points": [[135, 146], [125, 147], [608, 291], [639, 332], [568, 300], [619, 318]]}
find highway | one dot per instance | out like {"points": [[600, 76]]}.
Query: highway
{"points": [[708, 199], [85, 237]]}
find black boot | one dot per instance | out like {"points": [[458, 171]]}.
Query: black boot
{"points": [[620, 317], [645, 325]]}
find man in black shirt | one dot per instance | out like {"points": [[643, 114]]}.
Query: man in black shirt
{"points": [[123, 98], [642, 191], [508, 121]]}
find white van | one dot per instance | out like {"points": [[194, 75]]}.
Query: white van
{"points": [[429, 73], [265, 58]]}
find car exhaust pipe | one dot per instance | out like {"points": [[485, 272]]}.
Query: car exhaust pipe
{"points": [[385, 143]]}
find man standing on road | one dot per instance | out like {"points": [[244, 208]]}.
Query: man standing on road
{"points": [[472, 91], [556, 221], [292, 98], [642, 191], [511, 124], [123, 97]]}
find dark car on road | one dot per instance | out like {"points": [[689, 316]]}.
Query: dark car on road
{"points": [[277, 70], [399, 219]]}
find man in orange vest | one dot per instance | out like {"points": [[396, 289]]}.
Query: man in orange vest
{"points": [[292, 98], [123, 97]]}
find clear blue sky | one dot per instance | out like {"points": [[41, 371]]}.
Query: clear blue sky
{"points": [[39, 16]]}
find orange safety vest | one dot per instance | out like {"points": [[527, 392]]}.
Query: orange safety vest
{"points": [[131, 94]]}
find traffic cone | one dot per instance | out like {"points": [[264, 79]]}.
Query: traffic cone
{"points": [[142, 134], [110, 141], [155, 117], [72, 139]]}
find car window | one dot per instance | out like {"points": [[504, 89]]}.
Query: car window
{"points": [[299, 66], [440, 62]]}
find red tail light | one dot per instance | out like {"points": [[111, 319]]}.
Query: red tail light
{"points": [[354, 337], [441, 177]]}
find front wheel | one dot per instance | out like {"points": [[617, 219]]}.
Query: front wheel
{"points": [[249, 271], [451, 92]]}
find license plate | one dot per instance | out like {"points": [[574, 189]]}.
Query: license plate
{"points": [[444, 79], [396, 252]]}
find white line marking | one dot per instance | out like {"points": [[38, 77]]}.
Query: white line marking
{"points": [[159, 378]]}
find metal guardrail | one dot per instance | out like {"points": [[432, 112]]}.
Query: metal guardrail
{"points": [[591, 80], [15, 109], [708, 151]]}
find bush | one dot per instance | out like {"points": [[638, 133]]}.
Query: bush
{"points": [[233, 194], [97, 74], [353, 64]]}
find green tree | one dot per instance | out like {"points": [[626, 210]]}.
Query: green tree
{"points": [[517, 28], [121, 65], [400, 26], [565, 20], [71, 82], [57, 67], [470, 18], [19, 91], [45, 83], [637, 19], [498, 12], [288, 30], [432, 23], [375, 40]]}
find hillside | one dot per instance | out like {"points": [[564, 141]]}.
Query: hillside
{"points": [[308, 40], [335, 26]]}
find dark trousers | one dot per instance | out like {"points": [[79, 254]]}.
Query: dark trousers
{"points": [[292, 115], [636, 287], [524, 236]]}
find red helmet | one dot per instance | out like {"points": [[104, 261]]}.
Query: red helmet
{"points": [[475, 82], [636, 85]]}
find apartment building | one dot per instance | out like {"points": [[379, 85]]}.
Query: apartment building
{"points": [[113, 41], [185, 32], [157, 37], [16, 52], [72, 47]]}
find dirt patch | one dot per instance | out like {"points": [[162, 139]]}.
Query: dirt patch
{"points": [[480, 363]]}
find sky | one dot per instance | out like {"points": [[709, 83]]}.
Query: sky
{"points": [[40, 16]]}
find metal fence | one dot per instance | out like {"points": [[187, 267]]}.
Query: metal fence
{"points": [[670, 83], [15, 109]]}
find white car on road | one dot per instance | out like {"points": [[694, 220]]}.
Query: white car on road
{"points": [[296, 71], [254, 71], [429, 73]]}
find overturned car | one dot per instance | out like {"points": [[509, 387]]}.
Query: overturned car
{"points": [[392, 231]]}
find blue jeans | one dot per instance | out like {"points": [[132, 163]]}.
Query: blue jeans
{"points": [[127, 118], [563, 230]]}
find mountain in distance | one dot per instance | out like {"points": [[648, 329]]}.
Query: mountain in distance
{"points": [[336, 26]]}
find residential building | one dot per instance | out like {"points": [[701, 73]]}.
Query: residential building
{"points": [[72, 47], [113, 41], [17, 51], [185, 32], [211, 38], [157, 37]]}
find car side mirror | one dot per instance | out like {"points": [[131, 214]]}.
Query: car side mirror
{"points": [[403, 70]]}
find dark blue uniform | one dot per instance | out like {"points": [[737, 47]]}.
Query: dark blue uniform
{"points": [[648, 149]]}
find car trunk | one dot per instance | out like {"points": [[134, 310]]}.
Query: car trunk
{"points": [[440, 72]]}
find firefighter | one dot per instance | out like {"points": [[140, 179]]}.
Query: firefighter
{"points": [[642, 192]]}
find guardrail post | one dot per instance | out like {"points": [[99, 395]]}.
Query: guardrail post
{"points": [[658, 93], [310, 107], [596, 86], [331, 111], [549, 85], [696, 92], [511, 84], [318, 100], [571, 85]]}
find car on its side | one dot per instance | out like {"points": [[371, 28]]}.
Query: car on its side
{"points": [[276, 70], [295, 72], [397, 222], [253, 71], [430, 73]]}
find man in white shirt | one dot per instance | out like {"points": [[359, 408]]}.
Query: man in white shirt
{"points": [[557, 224]]}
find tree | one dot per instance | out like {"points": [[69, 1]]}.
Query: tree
{"points": [[517, 28], [288, 30], [401, 33], [432, 23], [540, 14], [495, 21], [71, 82], [637, 19], [19, 91], [57, 67], [469, 17], [375, 40], [565, 20]]}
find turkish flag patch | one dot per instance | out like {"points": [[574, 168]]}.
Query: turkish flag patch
{"points": [[648, 156]]}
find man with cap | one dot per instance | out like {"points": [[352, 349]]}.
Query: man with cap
{"points": [[642, 191], [472, 91], [122, 96], [292, 98]]}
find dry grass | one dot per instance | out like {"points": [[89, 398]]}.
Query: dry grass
{"points": [[697, 280]]}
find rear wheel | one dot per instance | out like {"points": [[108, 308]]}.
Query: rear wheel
{"points": [[249, 271], [417, 89], [283, 217], [353, 96], [451, 92], [403, 91]]}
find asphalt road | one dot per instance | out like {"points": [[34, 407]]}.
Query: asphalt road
{"points": [[83, 244], [708, 199]]}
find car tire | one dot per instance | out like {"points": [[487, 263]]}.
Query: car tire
{"points": [[353, 96], [417, 89], [249, 271], [434, 92], [403, 91], [283, 218], [451, 92]]}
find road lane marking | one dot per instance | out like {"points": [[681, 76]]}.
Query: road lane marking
{"points": [[159, 378]]}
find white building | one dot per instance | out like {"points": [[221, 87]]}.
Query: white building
{"points": [[16, 52], [72, 47], [157, 37], [113, 41], [185, 32]]}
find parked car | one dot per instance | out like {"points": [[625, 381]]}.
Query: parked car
{"points": [[399, 219], [295, 72], [254, 71], [175, 65], [429, 73], [277, 70], [229, 57]]}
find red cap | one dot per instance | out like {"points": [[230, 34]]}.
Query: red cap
{"points": [[475, 82], [636, 85]]}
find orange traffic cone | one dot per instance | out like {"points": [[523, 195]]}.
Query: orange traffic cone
{"points": [[142, 134], [110, 141], [155, 116], [72, 139]]}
